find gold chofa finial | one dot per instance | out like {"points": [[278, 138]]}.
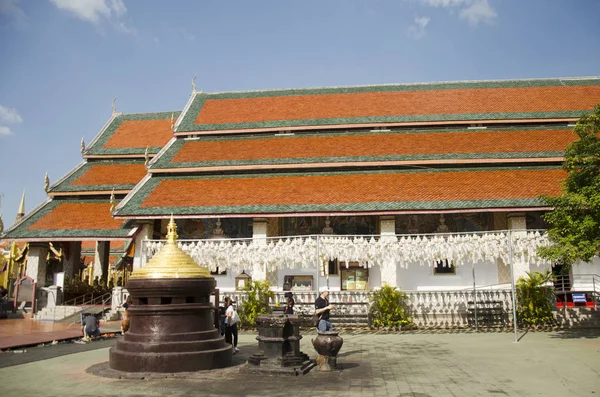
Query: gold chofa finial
{"points": [[172, 121], [82, 145], [46, 183], [146, 156], [113, 105], [194, 84], [112, 201]]}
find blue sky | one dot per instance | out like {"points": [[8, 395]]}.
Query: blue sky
{"points": [[63, 61]]}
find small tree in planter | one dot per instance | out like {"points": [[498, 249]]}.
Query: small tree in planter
{"points": [[256, 302], [534, 298], [389, 308]]}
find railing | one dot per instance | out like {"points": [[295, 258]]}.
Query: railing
{"points": [[428, 308], [583, 283], [86, 300]]}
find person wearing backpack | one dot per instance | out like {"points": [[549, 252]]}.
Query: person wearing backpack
{"points": [[231, 320]]}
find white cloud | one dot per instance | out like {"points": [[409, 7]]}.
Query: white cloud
{"points": [[96, 11], [92, 10], [479, 11], [474, 11], [8, 115], [5, 130], [11, 9], [418, 29]]}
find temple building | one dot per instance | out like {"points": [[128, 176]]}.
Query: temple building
{"points": [[411, 185]]}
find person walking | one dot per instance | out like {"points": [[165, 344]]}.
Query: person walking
{"points": [[231, 320], [323, 308]]}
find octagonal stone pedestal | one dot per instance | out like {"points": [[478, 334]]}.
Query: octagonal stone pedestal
{"points": [[172, 328], [279, 346]]}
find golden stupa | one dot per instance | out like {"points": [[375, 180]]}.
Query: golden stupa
{"points": [[171, 261]]}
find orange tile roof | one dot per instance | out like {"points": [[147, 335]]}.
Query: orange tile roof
{"points": [[78, 216], [399, 103], [140, 133], [112, 174], [346, 188], [363, 145]]}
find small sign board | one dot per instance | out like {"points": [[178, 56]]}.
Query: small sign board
{"points": [[579, 298]]}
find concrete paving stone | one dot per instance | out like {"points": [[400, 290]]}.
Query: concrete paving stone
{"points": [[419, 365]]}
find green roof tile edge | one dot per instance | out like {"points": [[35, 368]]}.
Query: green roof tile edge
{"points": [[341, 207], [382, 119]]}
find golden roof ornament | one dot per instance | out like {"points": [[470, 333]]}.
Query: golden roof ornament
{"points": [[114, 108], [112, 201], [147, 156], [1, 224], [171, 261], [172, 121], [82, 145], [194, 84], [46, 183]]}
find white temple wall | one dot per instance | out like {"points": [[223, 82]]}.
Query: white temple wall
{"points": [[422, 278], [582, 271]]}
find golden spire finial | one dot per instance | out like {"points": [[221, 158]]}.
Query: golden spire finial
{"points": [[82, 145], [146, 156], [1, 224], [172, 231], [172, 121], [194, 84], [171, 261], [112, 201], [46, 183], [113, 105]]}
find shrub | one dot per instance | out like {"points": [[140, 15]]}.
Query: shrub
{"points": [[389, 307], [534, 298], [256, 302]]}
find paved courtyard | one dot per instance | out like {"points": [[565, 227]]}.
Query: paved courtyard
{"points": [[563, 363]]}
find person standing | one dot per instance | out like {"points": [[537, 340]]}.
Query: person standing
{"points": [[323, 308], [231, 320], [289, 308]]}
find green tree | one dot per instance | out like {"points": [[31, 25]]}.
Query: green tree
{"points": [[574, 230], [256, 302], [534, 298]]}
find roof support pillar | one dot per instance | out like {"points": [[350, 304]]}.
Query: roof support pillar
{"points": [[71, 259], [389, 269], [259, 236], [146, 230], [101, 260], [517, 224], [36, 263]]}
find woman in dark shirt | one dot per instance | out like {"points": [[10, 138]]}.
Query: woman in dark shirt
{"points": [[289, 308]]}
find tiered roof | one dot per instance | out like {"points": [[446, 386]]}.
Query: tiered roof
{"points": [[459, 146], [79, 205]]}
